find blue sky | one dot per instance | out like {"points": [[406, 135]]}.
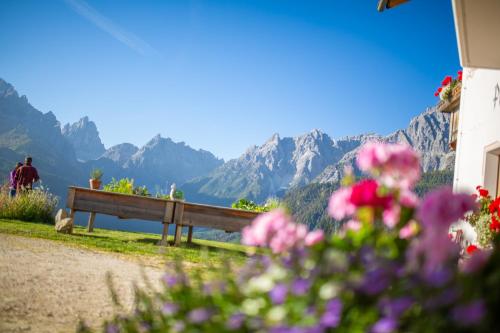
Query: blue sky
{"points": [[225, 75]]}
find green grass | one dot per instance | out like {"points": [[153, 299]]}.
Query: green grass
{"points": [[202, 255]]}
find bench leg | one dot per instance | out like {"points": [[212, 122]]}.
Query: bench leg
{"points": [[90, 226], [178, 234], [190, 234], [164, 235]]}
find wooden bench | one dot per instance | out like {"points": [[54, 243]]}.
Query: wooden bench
{"points": [[168, 212]]}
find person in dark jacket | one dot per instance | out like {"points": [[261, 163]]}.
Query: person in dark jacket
{"points": [[26, 175], [13, 181]]}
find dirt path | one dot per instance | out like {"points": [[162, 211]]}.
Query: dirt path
{"points": [[46, 286]]}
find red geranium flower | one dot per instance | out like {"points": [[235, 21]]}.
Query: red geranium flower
{"points": [[494, 225], [483, 192], [460, 75], [436, 94], [446, 81], [471, 249], [440, 89], [495, 206], [478, 187]]}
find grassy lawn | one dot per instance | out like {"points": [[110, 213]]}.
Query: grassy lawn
{"points": [[201, 255]]}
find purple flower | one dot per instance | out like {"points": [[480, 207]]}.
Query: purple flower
{"points": [[235, 321], [169, 309], [172, 280], [385, 325], [375, 281], [300, 287], [178, 326], [438, 277], [395, 307], [469, 314], [447, 297], [112, 328], [332, 315], [199, 315], [278, 293]]}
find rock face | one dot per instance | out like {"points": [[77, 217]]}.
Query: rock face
{"points": [[120, 153], [427, 133], [84, 138], [162, 161], [277, 165], [283, 163], [25, 130]]}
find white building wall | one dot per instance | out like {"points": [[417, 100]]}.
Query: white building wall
{"points": [[478, 129]]}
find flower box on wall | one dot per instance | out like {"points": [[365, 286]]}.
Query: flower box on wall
{"points": [[453, 102]]}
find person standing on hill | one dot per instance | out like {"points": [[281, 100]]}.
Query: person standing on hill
{"points": [[26, 175], [13, 181]]}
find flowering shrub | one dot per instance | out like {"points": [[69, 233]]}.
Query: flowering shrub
{"points": [[444, 92], [486, 220], [37, 205], [394, 268]]}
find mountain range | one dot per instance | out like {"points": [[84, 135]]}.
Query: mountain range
{"points": [[65, 155]]}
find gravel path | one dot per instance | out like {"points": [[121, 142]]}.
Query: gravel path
{"points": [[46, 286]]}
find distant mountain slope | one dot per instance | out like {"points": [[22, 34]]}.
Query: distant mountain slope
{"points": [[283, 163], [162, 160], [427, 133], [120, 153], [84, 138], [280, 163], [26, 131]]}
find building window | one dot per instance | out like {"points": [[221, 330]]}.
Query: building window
{"points": [[492, 169]]}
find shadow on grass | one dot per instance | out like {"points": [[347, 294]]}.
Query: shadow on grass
{"points": [[193, 246]]}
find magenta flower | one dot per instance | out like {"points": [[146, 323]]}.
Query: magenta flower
{"points": [[365, 193], [442, 207], [475, 262]]}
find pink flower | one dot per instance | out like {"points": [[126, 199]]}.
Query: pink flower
{"points": [[409, 230], [371, 156], [352, 225], [442, 207], [314, 237], [277, 231], [263, 228], [395, 165], [391, 216], [408, 199], [339, 206]]}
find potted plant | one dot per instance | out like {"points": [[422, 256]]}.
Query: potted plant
{"points": [[95, 179]]}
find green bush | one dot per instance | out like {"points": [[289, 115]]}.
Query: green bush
{"points": [[37, 205], [178, 195], [126, 186]]}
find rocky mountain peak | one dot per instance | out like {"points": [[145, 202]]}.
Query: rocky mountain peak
{"points": [[84, 138]]}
